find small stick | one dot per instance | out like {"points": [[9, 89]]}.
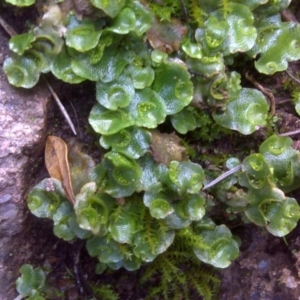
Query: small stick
{"points": [[7, 27], [293, 77], [81, 282], [264, 91], [297, 131], [61, 107], [222, 177], [77, 271], [294, 132], [280, 102], [76, 117], [183, 8]]}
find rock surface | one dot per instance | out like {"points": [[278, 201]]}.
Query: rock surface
{"points": [[22, 133]]}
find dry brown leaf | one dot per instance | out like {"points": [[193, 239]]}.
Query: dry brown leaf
{"points": [[166, 147], [56, 160], [81, 165], [166, 36]]}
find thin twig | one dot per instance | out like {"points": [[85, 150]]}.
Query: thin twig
{"points": [[264, 91], [297, 131], [289, 133], [183, 8], [222, 177], [292, 76], [12, 32], [61, 107], [82, 284], [283, 101], [77, 271], [76, 117], [19, 297], [7, 27]]}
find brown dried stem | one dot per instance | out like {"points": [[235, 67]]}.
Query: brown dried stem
{"points": [[265, 91]]}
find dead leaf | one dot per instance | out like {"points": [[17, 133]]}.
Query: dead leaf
{"points": [[81, 165], [56, 160], [166, 36], [121, 201], [166, 147]]}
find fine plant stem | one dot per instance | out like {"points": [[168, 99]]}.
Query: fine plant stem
{"points": [[12, 32], [184, 10], [61, 107], [222, 177], [284, 101], [7, 27], [293, 77], [289, 133], [76, 116], [82, 284], [19, 297], [297, 131], [264, 91]]}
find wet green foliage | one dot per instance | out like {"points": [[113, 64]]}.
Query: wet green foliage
{"points": [[146, 196], [31, 282], [266, 177], [21, 2], [32, 285]]}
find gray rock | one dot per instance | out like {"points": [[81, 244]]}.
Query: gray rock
{"points": [[22, 134]]}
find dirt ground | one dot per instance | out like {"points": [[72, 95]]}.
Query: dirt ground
{"points": [[268, 267]]}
